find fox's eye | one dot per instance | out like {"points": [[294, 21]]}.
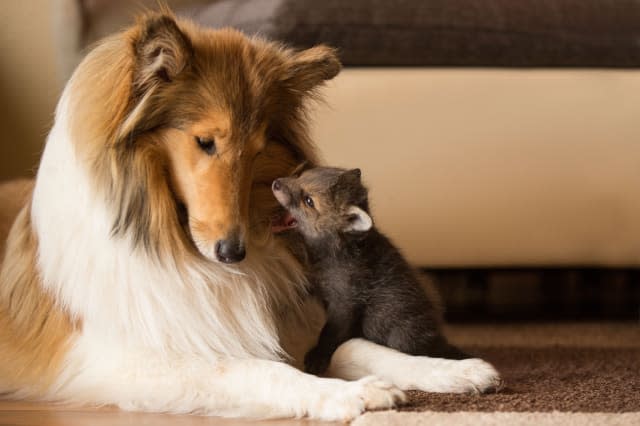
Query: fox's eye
{"points": [[308, 201], [207, 145]]}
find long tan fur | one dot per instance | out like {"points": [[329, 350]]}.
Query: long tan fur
{"points": [[139, 99], [33, 330]]}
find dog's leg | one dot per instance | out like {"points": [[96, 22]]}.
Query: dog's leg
{"points": [[227, 387], [357, 358]]}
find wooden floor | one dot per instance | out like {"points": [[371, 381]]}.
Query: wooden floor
{"points": [[32, 414]]}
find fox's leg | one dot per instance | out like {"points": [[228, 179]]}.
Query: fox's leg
{"points": [[339, 328]]}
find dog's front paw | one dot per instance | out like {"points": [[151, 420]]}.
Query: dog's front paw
{"points": [[455, 376], [350, 399], [316, 362], [478, 375]]}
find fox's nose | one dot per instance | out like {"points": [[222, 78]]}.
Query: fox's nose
{"points": [[276, 186]]}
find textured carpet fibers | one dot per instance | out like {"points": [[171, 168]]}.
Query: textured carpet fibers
{"points": [[602, 377], [475, 418]]}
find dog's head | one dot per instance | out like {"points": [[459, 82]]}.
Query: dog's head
{"points": [[191, 126]]}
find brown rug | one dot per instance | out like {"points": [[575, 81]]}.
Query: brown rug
{"points": [[563, 376], [551, 379]]}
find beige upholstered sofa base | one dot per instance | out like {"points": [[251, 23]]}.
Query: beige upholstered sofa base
{"points": [[472, 167]]}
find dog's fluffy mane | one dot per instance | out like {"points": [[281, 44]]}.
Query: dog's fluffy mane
{"points": [[101, 250], [111, 119]]}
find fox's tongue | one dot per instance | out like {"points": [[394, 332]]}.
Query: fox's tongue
{"points": [[283, 222]]}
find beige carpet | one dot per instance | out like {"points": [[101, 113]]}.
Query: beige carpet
{"points": [[568, 374], [469, 418]]}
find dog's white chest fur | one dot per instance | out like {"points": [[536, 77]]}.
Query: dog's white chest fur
{"points": [[127, 297]]}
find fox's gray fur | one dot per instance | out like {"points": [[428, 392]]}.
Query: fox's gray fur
{"points": [[368, 288]]}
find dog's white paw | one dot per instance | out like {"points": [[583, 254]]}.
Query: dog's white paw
{"points": [[348, 400], [480, 375], [452, 376]]}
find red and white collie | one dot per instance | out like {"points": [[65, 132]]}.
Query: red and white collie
{"points": [[141, 271]]}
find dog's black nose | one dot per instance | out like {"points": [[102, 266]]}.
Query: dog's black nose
{"points": [[276, 185], [230, 250]]}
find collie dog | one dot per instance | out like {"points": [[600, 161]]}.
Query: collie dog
{"points": [[142, 271]]}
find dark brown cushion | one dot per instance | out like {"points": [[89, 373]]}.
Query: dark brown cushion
{"points": [[515, 33]]}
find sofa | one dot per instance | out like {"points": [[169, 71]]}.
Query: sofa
{"points": [[491, 133]]}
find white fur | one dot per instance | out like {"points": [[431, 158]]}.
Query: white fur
{"points": [[140, 379], [358, 358], [359, 220]]}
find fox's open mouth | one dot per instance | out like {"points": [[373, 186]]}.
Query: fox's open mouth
{"points": [[282, 222]]}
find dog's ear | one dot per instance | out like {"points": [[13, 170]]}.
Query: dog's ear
{"points": [[358, 220], [161, 49], [161, 52], [309, 68]]}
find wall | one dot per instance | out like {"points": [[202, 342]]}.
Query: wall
{"points": [[29, 85]]}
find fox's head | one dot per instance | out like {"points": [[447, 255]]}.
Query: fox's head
{"points": [[324, 201]]}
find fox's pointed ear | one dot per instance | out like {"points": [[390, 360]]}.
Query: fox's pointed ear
{"points": [[162, 50], [358, 220], [309, 68], [351, 177], [353, 174], [305, 165]]}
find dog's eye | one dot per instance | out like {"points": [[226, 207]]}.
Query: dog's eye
{"points": [[207, 145], [308, 201]]}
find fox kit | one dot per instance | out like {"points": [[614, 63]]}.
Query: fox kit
{"points": [[368, 288]]}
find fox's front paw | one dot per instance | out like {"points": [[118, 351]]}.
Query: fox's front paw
{"points": [[316, 361]]}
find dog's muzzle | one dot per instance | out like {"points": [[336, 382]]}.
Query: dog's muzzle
{"points": [[230, 250]]}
